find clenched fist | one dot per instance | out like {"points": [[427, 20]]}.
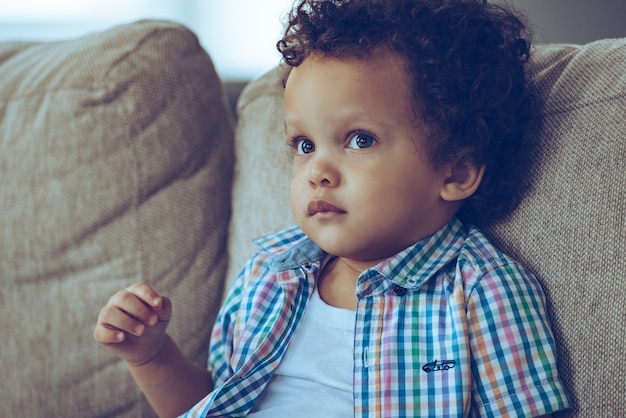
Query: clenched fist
{"points": [[132, 324]]}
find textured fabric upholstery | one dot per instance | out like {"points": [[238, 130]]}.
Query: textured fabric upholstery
{"points": [[116, 165], [570, 230]]}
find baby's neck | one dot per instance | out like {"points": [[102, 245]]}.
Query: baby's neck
{"points": [[337, 282]]}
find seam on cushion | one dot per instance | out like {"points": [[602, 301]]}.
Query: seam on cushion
{"points": [[97, 84], [25, 44], [131, 51], [90, 88], [142, 40]]}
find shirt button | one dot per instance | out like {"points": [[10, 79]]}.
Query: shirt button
{"points": [[399, 290]]}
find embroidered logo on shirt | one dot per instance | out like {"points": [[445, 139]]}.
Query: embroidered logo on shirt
{"points": [[438, 366]]}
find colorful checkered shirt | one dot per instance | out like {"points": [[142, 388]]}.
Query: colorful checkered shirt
{"points": [[449, 327]]}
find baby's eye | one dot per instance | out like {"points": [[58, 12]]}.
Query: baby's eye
{"points": [[304, 146], [361, 140]]}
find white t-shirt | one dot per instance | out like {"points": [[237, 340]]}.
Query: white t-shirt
{"points": [[314, 379]]}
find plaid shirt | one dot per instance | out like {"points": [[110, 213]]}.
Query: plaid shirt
{"points": [[448, 327]]}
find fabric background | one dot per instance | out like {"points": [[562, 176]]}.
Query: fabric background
{"points": [[115, 150], [569, 230]]}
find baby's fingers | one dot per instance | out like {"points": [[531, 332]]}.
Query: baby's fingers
{"points": [[146, 294], [115, 318], [128, 311], [105, 335]]}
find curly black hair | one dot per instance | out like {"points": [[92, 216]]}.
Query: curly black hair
{"points": [[467, 61]]}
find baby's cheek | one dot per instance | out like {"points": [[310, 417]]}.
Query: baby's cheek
{"points": [[296, 199]]}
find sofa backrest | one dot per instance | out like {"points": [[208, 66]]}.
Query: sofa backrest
{"points": [[570, 230]]}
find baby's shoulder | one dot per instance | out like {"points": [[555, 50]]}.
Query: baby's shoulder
{"points": [[477, 250], [479, 259]]}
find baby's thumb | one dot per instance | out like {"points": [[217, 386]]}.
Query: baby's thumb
{"points": [[164, 312]]}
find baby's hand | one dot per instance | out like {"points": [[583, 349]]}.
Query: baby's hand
{"points": [[132, 324]]}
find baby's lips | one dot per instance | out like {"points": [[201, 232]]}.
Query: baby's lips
{"points": [[316, 206]]}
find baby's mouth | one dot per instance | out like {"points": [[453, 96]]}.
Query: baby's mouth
{"points": [[320, 206]]}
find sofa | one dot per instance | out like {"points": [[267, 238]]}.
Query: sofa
{"points": [[121, 161]]}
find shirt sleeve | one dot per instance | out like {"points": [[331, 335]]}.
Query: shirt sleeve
{"points": [[512, 347]]}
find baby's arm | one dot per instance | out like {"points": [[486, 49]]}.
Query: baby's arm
{"points": [[132, 326]]}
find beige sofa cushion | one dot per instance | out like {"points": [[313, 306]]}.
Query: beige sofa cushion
{"points": [[262, 169], [116, 164], [570, 230]]}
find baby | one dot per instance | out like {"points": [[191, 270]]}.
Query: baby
{"points": [[407, 120]]}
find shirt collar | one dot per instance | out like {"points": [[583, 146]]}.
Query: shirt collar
{"points": [[410, 268], [291, 249]]}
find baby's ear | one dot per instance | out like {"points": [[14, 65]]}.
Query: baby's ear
{"points": [[461, 181]]}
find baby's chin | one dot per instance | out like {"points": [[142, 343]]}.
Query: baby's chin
{"points": [[366, 244]]}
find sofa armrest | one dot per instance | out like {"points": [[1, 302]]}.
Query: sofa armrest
{"points": [[116, 165]]}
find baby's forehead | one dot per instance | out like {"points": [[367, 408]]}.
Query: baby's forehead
{"points": [[377, 76]]}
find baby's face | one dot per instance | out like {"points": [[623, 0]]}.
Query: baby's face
{"points": [[363, 187]]}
